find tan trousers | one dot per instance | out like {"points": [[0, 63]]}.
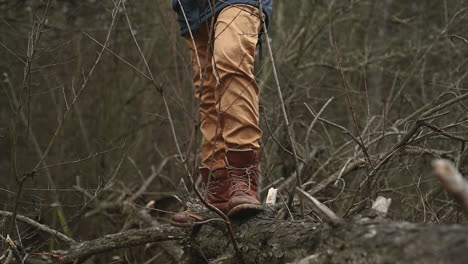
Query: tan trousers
{"points": [[227, 90]]}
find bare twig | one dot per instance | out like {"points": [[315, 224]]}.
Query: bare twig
{"points": [[33, 41], [149, 180], [82, 89], [41, 227], [283, 111], [360, 142], [316, 117]]}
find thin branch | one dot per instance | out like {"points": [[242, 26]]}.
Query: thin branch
{"points": [[80, 92], [32, 43], [148, 181], [283, 111], [316, 117]]}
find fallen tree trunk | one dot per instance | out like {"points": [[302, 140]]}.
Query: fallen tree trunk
{"points": [[358, 240], [263, 239]]}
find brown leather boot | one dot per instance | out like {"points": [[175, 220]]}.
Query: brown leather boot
{"points": [[217, 189], [242, 170]]}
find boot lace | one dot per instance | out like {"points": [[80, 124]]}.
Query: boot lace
{"points": [[211, 189], [240, 182]]}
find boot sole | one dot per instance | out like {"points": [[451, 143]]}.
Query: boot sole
{"points": [[181, 224], [245, 210]]}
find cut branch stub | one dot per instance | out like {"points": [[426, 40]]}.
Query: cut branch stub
{"points": [[381, 205], [452, 180], [320, 208]]}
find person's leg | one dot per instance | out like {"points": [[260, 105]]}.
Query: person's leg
{"points": [[212, 171], [236, 36], [213, 148]]}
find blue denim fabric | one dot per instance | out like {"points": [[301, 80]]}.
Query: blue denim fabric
{"points": [[199, 11]]}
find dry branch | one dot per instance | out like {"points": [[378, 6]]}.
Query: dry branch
{"points": [[41, 227]]}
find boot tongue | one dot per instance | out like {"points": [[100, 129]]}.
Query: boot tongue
{"points": [[239, 184], [240, 158]]}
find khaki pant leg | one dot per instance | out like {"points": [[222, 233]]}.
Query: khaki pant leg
{"points": [[213, 148], [236, 36]]}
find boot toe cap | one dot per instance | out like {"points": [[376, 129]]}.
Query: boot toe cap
{"points": [[244, 205], [185, 218]]}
